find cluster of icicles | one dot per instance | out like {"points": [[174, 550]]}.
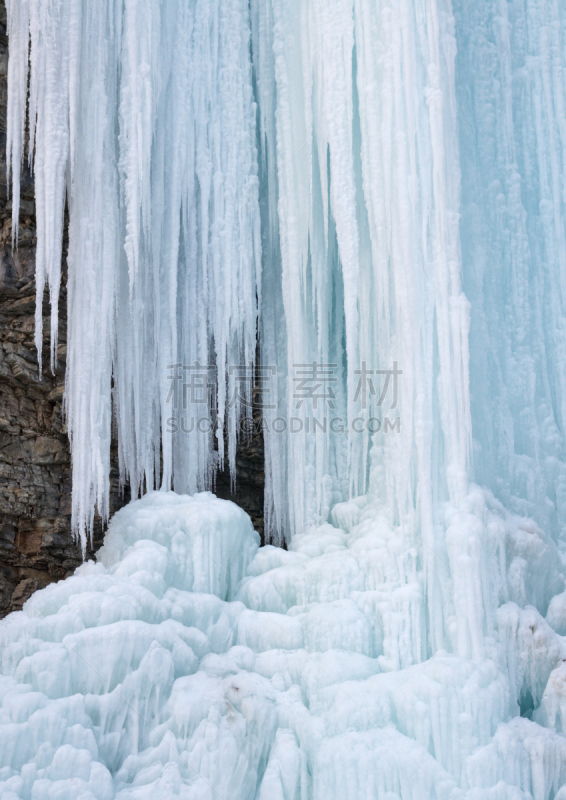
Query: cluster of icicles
{"points": [[366, 189]]}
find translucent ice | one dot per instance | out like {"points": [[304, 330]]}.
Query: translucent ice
{"points": [[391, 154]]}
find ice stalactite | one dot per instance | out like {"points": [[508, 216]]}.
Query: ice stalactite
{"points": [[142, 120], [367, 197], [359, 170]]}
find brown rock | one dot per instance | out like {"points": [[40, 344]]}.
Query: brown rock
{"points": [[24, 591]]}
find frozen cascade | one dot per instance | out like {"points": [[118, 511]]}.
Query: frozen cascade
{"points": [[376, 186], [368, 197], [164, 239], [511, 96]]}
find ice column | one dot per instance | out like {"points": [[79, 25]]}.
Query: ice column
{"points": [[364, 137], [510, 68], [142, 120]]}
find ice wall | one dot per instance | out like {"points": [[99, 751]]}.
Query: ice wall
{"points": [[409, 643], [176, 131], [510, 84]]}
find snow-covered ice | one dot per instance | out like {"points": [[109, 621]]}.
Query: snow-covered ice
{"points": [[188, 662]]}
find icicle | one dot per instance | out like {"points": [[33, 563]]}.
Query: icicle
{"points": [[18, 32], [164, 247], [368, 200]]}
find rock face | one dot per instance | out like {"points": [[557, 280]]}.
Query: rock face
{"points": [[36, 545]]}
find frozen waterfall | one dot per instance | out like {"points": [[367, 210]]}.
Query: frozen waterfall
{"points": [[370, 195]]}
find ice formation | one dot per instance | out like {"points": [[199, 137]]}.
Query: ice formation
{"points": [[141, 117], [190, 663], [375, 188]]}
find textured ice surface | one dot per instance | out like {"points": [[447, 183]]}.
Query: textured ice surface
{"points": [[141, 117], [371, 182], [190, 663], [364, 182]]}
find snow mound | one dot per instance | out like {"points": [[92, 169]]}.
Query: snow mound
{"points": [[188, 663]]}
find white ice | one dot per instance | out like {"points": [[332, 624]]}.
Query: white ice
{"points": [[188, 662], [142, 119], [357, 182]]}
